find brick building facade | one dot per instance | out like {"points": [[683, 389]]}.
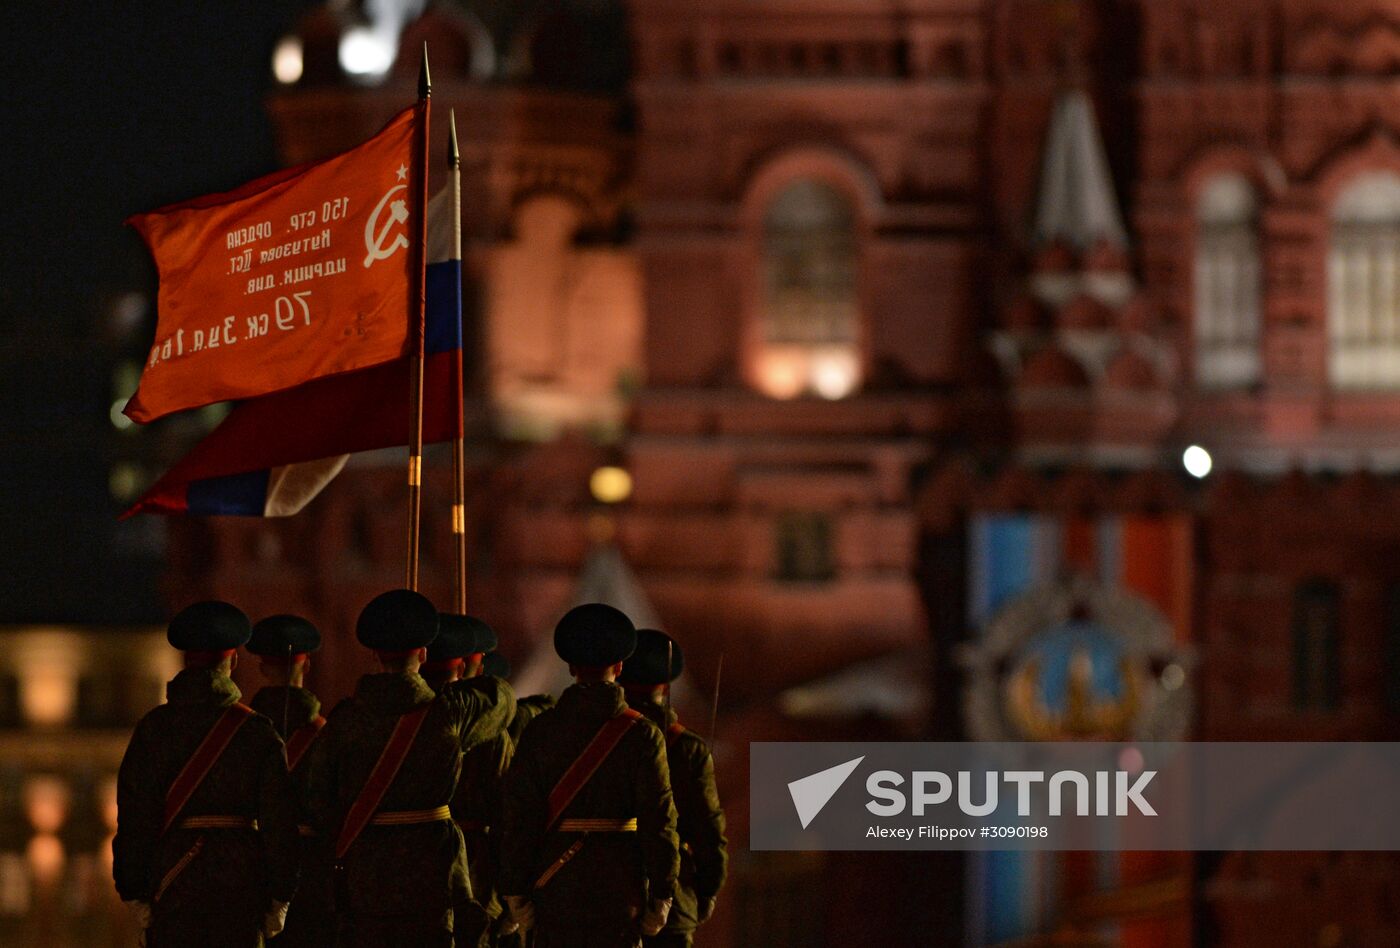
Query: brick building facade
{"points": [[834, 279]]}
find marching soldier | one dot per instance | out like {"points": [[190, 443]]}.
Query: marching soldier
{"points": [[456, 654], [589, 851], [284, 645], [527, 707], [383, 773], [646, 678], [206, 845]]}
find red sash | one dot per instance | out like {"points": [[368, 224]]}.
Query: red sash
{"points": [[207, 754], [673, 732], [301, 740], [588, 763], [383, 774]]}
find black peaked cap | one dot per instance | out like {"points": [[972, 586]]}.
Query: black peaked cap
{"points": [[647, 665], [459, 636], [594, 635], [283, 635], [397, 621], [211, 626]]}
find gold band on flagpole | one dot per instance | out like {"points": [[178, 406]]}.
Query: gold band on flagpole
{"points": [[459, 519], [415, 471]]}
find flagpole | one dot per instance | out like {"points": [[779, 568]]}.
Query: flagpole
{"points": [[415, 392], [459, 461]]}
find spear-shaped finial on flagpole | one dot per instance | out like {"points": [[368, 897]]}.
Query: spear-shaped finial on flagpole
{"points": [[454, 156], [425, 81]]}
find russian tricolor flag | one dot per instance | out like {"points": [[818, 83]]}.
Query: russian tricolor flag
{"points": [[274, 453]]}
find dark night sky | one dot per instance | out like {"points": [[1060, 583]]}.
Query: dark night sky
{"points": [[110, 108]]}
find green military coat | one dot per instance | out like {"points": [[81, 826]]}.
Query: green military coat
{"points": [[219, 897], [526, 710], [606, 885], [417, 870], [476, 806], [700, 818], [311, 919]]}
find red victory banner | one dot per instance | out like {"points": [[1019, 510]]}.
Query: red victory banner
{"points": [[299, 275]]}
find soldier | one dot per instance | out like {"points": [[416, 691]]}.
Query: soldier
{"points": [[646, 678], [527, 708], [284, 645], [589, 852], [383, 773], [206, 845], [454, 655]]}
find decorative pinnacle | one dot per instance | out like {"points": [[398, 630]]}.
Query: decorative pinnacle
{"points": [[425, 81], [454, 157]]}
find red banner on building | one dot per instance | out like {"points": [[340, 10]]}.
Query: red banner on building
{"points": [[296, 276]]}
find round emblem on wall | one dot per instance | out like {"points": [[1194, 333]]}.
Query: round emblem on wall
{"points": [[1075, 661]]}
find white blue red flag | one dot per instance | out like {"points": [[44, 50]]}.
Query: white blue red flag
{"points": [[274, 453]]}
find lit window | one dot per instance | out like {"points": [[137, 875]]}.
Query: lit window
{"points": [[1227, 284], [1363, 283], [809, 305]]}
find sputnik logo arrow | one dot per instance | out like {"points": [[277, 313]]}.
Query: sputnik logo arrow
{"points": [[813, 792]]}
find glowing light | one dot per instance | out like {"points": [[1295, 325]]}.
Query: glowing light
{"points": [[47, 665], [107, 803], [834, 373], [124, 482], [365, 54], [782, 373], [46, 803], [119, 421], [1173, 677], [287, 62], [45, 858], [610, 485], [1197, 461]]}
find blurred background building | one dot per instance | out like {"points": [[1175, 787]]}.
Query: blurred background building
{"points": [[965, 369]]}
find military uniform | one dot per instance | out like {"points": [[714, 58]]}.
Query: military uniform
{"points": [[296, 713], [528, 707], [608, 864], [526, 710], [458, 650], [700, 817], [406, 871], [230, 852]]}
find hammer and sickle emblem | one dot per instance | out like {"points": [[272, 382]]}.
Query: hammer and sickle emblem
{"points": [[375, 235]]}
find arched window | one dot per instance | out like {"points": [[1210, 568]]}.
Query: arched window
{"points": [[1227, 284], [809, 305], [1363, 283]]}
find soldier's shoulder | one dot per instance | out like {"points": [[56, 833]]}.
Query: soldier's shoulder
{"points": [[261, 726], [543, 721], [343, 716], [646, 734], [692, 743], [538, 703]]}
